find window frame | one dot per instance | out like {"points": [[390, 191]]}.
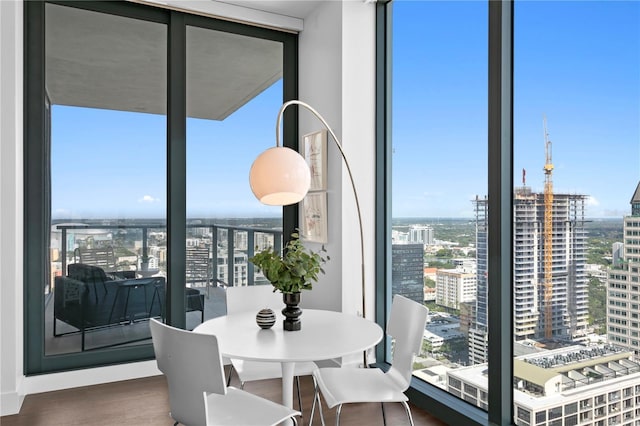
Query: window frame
{"points": [[37, 160], [442, 404]]}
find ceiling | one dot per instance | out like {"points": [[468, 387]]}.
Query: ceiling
{"points": [[110, 62], [295, 9]]}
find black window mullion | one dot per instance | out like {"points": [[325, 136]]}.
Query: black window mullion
{"points": [[176, 170], [35, 251], [290, 129], [383, 118], [500, 209]]}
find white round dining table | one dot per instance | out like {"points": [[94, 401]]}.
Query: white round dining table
{"points": [[324, 335]]}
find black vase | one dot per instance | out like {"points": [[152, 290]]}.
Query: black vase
{"points": [[291, 312]]}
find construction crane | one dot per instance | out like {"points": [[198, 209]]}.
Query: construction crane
{"points": [[548, 234]]}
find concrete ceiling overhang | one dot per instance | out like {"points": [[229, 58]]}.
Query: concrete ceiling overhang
{"points": [[284, 15], [104, 61]]}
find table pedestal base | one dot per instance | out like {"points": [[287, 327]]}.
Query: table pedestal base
{"points": [[287, 386]]}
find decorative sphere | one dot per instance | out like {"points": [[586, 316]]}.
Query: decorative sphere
{"points": [[266, 318]]}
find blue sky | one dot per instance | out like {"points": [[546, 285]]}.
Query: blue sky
{"points": [[120, 171], [576, 62]]}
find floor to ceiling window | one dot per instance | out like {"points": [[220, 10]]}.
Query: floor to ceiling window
{"points": [[547, 241], [225, 222], [438, 172], [113, 90], [108, 169], [576, 168]]}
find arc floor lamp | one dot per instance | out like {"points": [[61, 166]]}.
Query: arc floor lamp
{"points": [[280, 176]]}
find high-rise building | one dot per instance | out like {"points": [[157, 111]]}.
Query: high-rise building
{"points": [[467, 316], [623, 284], [407, 274], [454, 286], [421, 234], [239, 274], [569, 291]]}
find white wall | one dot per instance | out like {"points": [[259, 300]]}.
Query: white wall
{"points": [[320, 60], [336, 76], [358, 118], [11, 378]]}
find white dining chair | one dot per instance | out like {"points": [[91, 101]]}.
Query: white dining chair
{"points": [[198, 394], [355, 385], [253, 299]]}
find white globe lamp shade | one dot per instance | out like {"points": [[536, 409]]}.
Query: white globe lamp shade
{"points": [[279, 177]]}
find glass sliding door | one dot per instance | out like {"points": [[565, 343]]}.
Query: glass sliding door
{"points": [[234, 90], [107, 225], [106, 85]]}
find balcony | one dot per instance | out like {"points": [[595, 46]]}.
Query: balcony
{"points": [[139, 250]]}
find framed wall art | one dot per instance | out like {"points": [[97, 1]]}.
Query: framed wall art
{"points": [[314, 217], [314, 151]]}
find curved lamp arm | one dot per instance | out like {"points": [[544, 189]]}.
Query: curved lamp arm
{"points": [[346, 163], [300, 194]]}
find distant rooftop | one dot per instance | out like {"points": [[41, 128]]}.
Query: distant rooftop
{"points": [[545, 376], [578, 365]]}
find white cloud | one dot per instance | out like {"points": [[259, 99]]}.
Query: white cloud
{"points": [[148, 199], [592, 201]]}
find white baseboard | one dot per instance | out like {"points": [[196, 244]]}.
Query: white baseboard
{"points": [[91, 376], [10, 403]]}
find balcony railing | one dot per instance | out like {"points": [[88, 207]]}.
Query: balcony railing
{"points": [[239, 239]]}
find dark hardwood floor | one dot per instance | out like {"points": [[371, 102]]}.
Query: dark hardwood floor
{"points": [[146, 402]]}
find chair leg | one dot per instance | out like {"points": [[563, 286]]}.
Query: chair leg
{"points": [[299, 397], [408, 410], [384, 417], [316, 397], [229, 376], [338, 411]]}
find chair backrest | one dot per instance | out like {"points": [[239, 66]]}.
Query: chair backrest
{"points": [[253, 298], [192, 364], [406, 325], [198, 265], [86, 273]]}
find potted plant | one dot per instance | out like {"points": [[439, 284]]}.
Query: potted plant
{"points": [[291, 273]]}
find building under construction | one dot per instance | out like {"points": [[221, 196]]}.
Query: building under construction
{"points": [[538, 315]]}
